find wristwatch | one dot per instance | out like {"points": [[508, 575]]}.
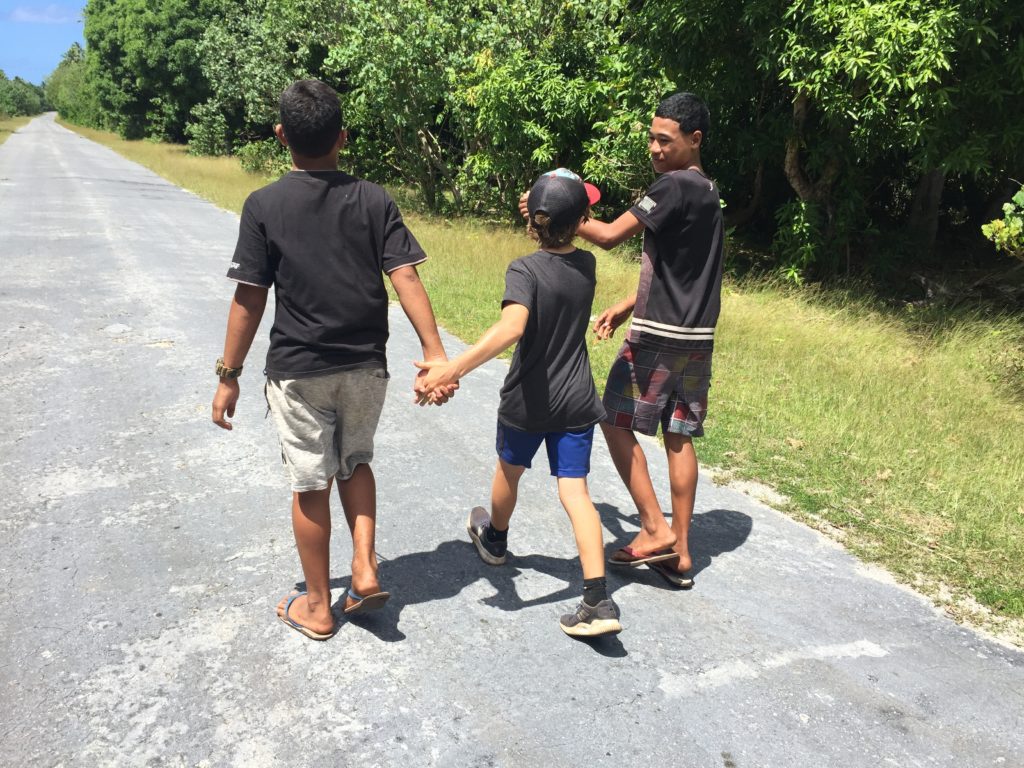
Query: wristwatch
{"points": [[227, 373]]}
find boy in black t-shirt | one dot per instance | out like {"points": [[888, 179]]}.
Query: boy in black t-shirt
{"points": [[663, 371], [549, 394], [323, 240]]}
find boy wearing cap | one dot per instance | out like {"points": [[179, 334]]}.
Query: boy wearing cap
{"points": [[663, 371], [549, 394]]}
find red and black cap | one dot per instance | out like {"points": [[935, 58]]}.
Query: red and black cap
{"points": [[562, 195]]}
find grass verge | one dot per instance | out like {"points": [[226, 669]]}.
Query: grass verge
{"points": [[9, 125], [902, 438]]}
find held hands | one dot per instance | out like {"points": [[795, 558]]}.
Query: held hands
{"points": [[224, 402], [612, 318], [435, 383]]}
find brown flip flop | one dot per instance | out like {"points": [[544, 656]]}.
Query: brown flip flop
{"points": [[630, 557], [671, 575]]}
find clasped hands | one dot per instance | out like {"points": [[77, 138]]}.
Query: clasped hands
{"points": [[436, 382]]}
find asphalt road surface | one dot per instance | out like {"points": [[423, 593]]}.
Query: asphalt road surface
{"points": [[144, 551]]}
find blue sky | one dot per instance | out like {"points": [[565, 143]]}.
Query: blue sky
{"points": [[34, 35]]}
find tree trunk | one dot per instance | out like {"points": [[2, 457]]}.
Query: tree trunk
{"points": [[924, 210]]}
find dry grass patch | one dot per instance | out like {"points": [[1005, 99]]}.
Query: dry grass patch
{"points": [[9, 125]]}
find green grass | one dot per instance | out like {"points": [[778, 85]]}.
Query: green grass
{"points": [[899, 434], [9, 125]]}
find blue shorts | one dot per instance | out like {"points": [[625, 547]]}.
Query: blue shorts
{"points": [[568, 452]]}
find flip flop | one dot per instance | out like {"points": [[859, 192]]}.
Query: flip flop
{"points": [[630, 557], [299, 627], [367, 602], [671, 575]]}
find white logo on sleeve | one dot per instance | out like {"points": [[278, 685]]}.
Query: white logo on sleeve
{"points": [[235, 265], [646, 205]]}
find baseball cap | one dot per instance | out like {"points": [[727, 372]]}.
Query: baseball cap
{"points": [[562, 195]]}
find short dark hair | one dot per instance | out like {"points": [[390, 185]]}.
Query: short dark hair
{"points": [[310, 117], [689, 111]]}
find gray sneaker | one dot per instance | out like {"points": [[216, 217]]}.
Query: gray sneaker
{"points": [[492, 552], [592, 620]]}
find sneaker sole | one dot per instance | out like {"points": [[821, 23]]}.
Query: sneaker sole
{"points": [[594, 628], [486, 556]]}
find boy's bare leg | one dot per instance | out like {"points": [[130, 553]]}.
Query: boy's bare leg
{"points": [[311, 522], [504, 493], [359, 499], [631, 463], [682, 477], [586, 524]]}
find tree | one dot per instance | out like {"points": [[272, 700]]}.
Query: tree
{"points": [[144, 63], [69, 90]]}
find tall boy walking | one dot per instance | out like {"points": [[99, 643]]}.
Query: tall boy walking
{"points": [[663, 371], [323, 240]]}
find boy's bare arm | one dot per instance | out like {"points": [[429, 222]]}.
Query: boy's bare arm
{"points": [[609, 234], [244, 317], [416, 305], [495, 340]]}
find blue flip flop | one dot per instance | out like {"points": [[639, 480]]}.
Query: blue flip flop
{"points": [[366, 603], [299, 627]]}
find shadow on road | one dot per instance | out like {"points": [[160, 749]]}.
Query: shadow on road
{"points": [[422, 577], [711, 534]]}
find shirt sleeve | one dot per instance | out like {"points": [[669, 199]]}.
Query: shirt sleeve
{"points": [[251, 263], [400, 247], [520, 285], [662, 202]]}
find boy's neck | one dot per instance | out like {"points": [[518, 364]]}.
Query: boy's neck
{"points": [[325, 163], [562, 249], [691, 164]]}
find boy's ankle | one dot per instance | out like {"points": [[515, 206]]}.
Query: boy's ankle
{"points": [[493, 534]]}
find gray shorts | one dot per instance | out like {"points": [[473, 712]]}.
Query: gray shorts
{"points": [[326, 423]]}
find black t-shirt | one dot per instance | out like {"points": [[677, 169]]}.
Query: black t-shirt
{"points": [[324, 240], [549, 387], [679, 295]]}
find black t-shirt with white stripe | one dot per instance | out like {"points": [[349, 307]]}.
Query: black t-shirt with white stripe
{"points": [[679, 295], [324, 240]]}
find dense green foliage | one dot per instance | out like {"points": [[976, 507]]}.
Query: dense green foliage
{"points": [[19, 98], [847, 135]]}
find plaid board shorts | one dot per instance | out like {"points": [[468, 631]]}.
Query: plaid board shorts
{"points": [[647, 387]]}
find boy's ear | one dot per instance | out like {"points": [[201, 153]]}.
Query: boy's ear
{"points": [[342, 140], [696, 138], [279, 132]]}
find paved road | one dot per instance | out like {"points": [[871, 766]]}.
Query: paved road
{"points": [[144, 551]]}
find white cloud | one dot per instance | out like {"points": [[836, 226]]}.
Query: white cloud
{"points": [[44, 14]]}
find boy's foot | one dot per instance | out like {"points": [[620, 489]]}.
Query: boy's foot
{"points": [[631, 557], [490, 550], [298, 616], [592, 620]]}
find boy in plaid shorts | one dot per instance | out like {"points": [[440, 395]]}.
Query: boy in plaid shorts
{"points": [[663, 371]]}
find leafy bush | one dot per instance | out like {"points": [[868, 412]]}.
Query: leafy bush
{"points": [[266, 157], [1008, 232], [208, 132]]}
